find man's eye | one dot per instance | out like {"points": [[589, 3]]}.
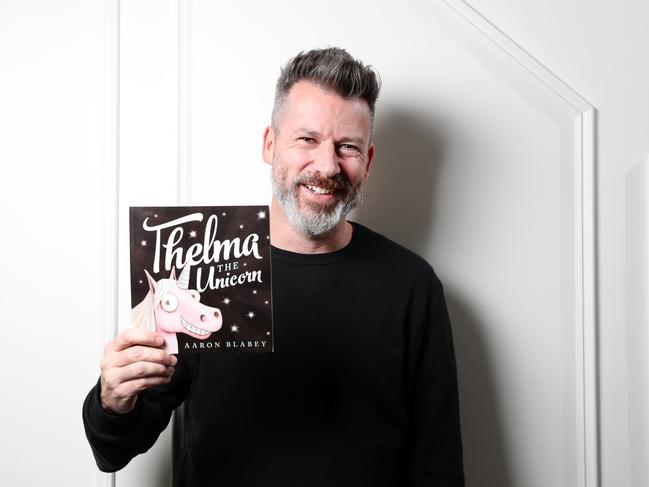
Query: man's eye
{"points": [[349, 148], [308, 140]]}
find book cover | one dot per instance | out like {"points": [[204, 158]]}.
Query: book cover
{"points": [[201, 277]]}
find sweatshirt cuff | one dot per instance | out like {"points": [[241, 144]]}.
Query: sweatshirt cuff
{"points": [[108, 421]]}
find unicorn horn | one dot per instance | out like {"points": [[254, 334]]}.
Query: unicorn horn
{"points": [[183, 280]]}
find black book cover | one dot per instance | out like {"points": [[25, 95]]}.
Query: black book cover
{"points": [[201, 277]]}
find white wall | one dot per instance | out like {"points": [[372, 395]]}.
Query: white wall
{"points": [[483, 166], [56, 245], [599, 48]]}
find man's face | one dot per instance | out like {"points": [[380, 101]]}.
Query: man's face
{"points": [[321, 153]]}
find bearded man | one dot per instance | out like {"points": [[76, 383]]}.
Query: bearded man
{"points": [[361, 389]]}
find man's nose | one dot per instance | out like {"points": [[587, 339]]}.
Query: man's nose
{"points": [[326, 160]]}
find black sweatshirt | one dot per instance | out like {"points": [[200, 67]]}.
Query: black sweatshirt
{"points": [[361, 389]]}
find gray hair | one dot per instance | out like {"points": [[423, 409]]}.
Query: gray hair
{"points": [[333, 69]]}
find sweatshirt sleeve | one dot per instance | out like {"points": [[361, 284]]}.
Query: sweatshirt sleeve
{"points": [[434, 438], [116, 438]]}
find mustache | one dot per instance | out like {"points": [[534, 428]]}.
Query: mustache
{"points": [[335, 183]]}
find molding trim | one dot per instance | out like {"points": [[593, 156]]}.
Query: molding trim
{"points": [[185, 47], [111, 177], [184, 183], [637, 309], [585, 268]]}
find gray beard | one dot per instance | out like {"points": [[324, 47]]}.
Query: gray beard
{"points": [[314, 222]]}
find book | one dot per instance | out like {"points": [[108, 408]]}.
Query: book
{"points": [[201, 277]]}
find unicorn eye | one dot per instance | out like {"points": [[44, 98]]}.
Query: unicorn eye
{"points": [[169, 303], [194, 294]]}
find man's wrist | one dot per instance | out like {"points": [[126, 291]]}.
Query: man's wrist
{"points": [[119, 411]]}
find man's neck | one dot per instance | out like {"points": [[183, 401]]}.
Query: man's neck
{"points": [[285, 237]]}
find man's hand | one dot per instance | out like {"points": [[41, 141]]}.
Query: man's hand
{"points": [[133, 362]]}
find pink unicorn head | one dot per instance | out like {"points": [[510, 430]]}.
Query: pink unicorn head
{"points": [[170, 308]]}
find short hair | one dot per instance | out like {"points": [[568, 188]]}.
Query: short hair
{"points": [[333, 69]]}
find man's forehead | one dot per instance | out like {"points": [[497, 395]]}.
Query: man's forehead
{"points": [[309, 106]]}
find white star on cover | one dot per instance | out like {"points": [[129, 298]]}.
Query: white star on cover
{"points": [[143, 243], [234, 328], [261, 215], [192, 233], [251, 315], [226, 301]]}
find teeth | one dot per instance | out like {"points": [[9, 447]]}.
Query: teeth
{"points": [[193, 329], [319, 190]]}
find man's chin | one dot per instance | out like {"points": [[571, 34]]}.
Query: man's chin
{"points": [[317, 222], [312, 218], [318, 210]]}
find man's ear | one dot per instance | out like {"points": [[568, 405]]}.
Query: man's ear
{"points": [[370, 158], [269, 145]]}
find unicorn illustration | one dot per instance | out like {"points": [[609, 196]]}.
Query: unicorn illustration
{"points": [[170, 307]]}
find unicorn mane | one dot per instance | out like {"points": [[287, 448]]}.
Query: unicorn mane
{"points": [[142, 315]]}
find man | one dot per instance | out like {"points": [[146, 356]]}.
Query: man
{"points": [[361, 389]]}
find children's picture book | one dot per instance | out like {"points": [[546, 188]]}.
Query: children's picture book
{"points": [[201, 277]]}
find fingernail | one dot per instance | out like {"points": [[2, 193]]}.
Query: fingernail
{"points": [[173, 360], [171, 370]]}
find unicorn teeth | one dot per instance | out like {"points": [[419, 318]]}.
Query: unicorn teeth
{"points": [[189, 327]]}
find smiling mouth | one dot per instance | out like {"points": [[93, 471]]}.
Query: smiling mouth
{"points": [[189, 327], [319, 189]]}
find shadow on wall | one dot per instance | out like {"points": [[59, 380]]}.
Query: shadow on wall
{"points": [[485, 450], [400, 203], [400, 190]]}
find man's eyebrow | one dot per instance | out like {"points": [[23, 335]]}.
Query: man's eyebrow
{"points": [[353, 140], [311, 133]]}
